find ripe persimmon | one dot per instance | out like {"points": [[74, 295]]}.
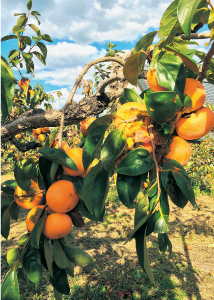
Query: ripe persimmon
{"points": [[147, 146], [197, 93], [24, 83], [41, 137], [130, 117], [19, 135], [28, 202], [197, 125], [153, 82], [85, 124], [37, 131], [57, 225], [61, 196], [33, 216], [15, 156], [180, 150], [45, 129], [65, 146], [76, 155]]}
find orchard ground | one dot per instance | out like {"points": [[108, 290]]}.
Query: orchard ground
{"points": [[116, 274]]}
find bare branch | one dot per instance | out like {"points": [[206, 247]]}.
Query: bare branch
{"points": [[77, 82], [107, 81], [196, 36], [206, 62]]}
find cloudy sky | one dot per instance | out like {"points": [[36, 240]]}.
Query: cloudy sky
{"points": [[80, 30]]}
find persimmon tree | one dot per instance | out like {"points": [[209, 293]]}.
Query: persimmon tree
{"points": [[138, 148]]}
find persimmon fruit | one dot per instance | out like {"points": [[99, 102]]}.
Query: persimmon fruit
{"points": [[130, 117], [153, 81], [41, 137], [197, 125], [61, 196], [197, 93], [19, 135], [37, 131], [45, 129], [85, 124], [57, 226], [76, 155], [28, 202], [24, 83], [33, 216], [180, 150], [65, 146]]}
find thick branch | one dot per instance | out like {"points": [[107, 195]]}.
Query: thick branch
{"points": [[196, 36], [37, 118], [206, 62], [23, 147]]}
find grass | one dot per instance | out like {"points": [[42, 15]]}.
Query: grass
{"points": [[187, 274]]}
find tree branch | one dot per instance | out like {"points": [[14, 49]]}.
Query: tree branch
{"points": [[37, 118], [23, 147], [206, 62], [195, 36], [96, 67]]}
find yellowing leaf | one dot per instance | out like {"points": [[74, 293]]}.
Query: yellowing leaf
{"points": [[134, 66]]}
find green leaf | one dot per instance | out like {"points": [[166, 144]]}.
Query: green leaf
{"points": [[10, 287], [128, 188], [43, 49], [35, 28], [44, 171], [29, 4], [47, 38], [142, 252], [7, 89], [86, 193], [170, 71], [37, 39], [5, 223], [8, 37], [22, 181], [10, 183], [164, 107], [171, 187], [130, 96], [92, 146], [70, 270], [14, 210], [112, 147], [59, 157], [60, 280], [23, 240], [22, 20], [36, 13], [84, 211], [13, 256], [33, 13], [134, 66], [32, 264], [189, 63], [164, 242], [17, 29], [48, 256], [104, 120], [169, 21], [136, 162], [100, 192], [27, 55], [59, 255], [40, 57], [57, 295], [185, 13], [76, 180], [145, 42], [78, 256], [26, 39], [37, 230]]}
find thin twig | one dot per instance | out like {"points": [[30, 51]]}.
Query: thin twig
{"points": [[209, 2], [195, 36], [77, 82], [206, 62], [101, 72]]}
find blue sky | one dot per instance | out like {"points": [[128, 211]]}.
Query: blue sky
{"points": [[80, 29]]}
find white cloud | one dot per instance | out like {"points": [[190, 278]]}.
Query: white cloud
{"points": [[60, 102]]}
